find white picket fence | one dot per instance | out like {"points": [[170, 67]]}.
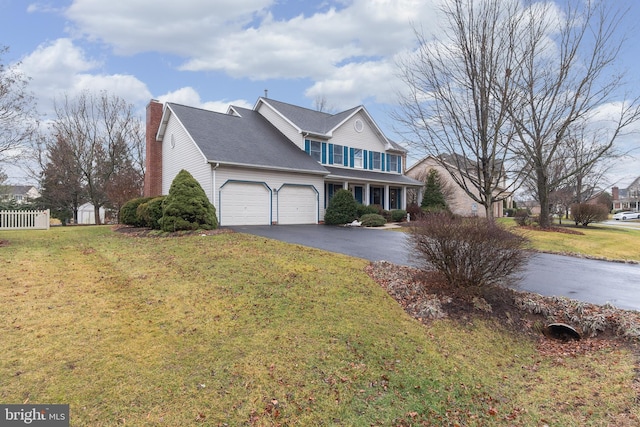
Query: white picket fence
{"points": [[24, 220]]}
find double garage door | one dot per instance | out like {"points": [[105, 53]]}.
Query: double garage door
{"points": [[250, 203]]}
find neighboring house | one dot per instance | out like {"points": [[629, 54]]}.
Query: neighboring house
{"points": [[20, 193], [87, 216], [458, 201], [627, 198], [276, 163]]}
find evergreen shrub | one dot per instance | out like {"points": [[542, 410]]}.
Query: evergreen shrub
{"points": [[372, 220], [342, 208], [398, 215], [151, 212], [129, 212], [187, 207]]}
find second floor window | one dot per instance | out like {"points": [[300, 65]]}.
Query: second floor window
{"points": [[393, 163], [376, 160], [357, 158], [315, 150], [338, 153]]}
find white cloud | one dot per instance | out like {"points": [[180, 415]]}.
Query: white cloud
{"points": [[189, 96], [59, 68]]}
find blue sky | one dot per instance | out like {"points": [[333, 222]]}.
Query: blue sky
{"points": [[212, 53]]}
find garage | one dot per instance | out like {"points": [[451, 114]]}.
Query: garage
{"points": [[297, 204], [245, 203]]}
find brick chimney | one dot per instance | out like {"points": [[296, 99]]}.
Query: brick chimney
{"points": [[615, 193], [153, 161]]}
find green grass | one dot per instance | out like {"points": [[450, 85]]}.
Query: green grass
{"points": [[599, 241], [233, 329]]}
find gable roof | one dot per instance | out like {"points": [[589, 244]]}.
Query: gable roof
{"points": [[320, 123], [244, 139]]}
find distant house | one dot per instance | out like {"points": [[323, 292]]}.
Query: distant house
{"points": [[627, 198], [459, 201], [277, 163], [21, 194]]}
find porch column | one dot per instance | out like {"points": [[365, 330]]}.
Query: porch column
{"points": [[345, 185], [386, 198], [367, 196], [403, 204]]}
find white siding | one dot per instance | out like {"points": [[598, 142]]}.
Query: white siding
{"points": [[368, 139], [182, 155], [282, 125]]}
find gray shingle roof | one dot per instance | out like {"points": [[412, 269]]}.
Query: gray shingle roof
{"points": [[365, 175], [316, 122], [246, 140]]}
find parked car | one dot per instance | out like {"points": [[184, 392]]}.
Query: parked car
{"points": [[626, 215]]}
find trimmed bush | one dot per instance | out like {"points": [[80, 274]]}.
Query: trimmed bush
{"points": [[342, 208], [585, 213], [366, 209], [151, 212], [398, 215], [522, 217], [469, 253], [372, 220], [187, 206], [129, 212]]}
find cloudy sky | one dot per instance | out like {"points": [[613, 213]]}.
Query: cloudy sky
{"points": [[212, 53]]}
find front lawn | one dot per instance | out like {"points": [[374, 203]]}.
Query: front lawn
{"points": [[232, 329]]}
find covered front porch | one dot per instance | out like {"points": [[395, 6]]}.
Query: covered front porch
{"points": [[386, 190]]}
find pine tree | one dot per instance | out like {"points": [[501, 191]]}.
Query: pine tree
{"points": [[433, 198]]}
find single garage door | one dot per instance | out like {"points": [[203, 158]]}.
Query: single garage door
{"points": [[297, 204], [245, 203]]}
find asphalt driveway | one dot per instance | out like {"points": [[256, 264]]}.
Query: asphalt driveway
{"points": [[585, 280]]}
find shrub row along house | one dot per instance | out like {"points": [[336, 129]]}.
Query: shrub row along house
{"points": [[276, 163]]}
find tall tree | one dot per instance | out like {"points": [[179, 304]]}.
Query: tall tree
{"points": [[566, 76], [455, 108], [509, 83], [62, 181], [18, 117], [104, 138]]}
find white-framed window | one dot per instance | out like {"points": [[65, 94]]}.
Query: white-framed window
{"points": [[338, 155], [393, 162], [376, 163], [315, 150], [357, 158]]}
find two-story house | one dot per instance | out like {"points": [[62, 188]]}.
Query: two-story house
{"points": [[276, 163], [627, 198]]}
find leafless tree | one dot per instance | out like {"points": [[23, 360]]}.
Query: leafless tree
{"points": [[18, 118], [105, 139], [518, 77], [565, 79], [457, 104]]}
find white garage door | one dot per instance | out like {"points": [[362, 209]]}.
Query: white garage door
{"points": [[245, 203], [297, 204]]}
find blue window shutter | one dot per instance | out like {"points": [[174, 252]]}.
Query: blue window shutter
{"points": [[365, 158], [324, 153], [345, 156], [307, 146], [330, 154], [351, 156], [385, 164], [399, 164]]}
